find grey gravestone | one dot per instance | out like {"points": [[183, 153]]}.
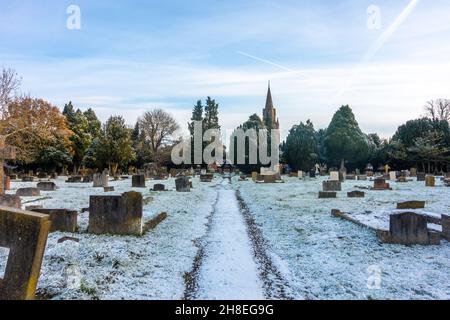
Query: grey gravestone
{"points": [[121, 215], [138, 181], [159, 187], [11, 201], [332, 186], [61, 219], [28, 192], [421, 176], [411, 205], [46, 186], [409, 228], [108, 189], [356, 194], [25, 235], [327, 195], [183, 184], [445, 221]]}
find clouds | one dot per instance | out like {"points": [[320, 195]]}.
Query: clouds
{"points": [[131, 56]]}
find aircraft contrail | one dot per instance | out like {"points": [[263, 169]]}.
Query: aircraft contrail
{"points": [[266, 61], [382, 39]]}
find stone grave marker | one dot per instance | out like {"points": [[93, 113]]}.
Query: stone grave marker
{"points": [[208, 177], [138, 181], [28, 192], [409, 228], [334, 176], [11, 201], [332, 186], [159, 187], [380, 184], [62, 220], [413, 172], [24, 234], [46, 186], [327, 195], [362, 177], [270, 178], [420, 176], [6, 153], [356, 194], [7, 183], [118, 214], [183, 184], [445, 222], [430, 181], [301, 175], [108, 189], [392, 175], [408, 205]]}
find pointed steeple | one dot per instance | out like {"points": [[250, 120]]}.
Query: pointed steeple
{"points": [[269, 102]]}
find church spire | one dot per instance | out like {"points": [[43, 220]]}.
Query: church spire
{"points": [[269, 101]]}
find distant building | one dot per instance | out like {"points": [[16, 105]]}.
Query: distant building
{"points": [[270, 113]]}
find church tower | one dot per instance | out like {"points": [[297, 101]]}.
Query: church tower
{"points": [[270, 113]]}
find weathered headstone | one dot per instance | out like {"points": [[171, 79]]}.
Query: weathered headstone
{"points": [[413, 172], [411, 205], [327, 194], [362, 177], [332, 186], [46, 186], [138, 181], [61, 219], [356, 194], [7, 183], [350, 177], [159, 187], [380, 184], [6, 153], [420, 176], [408, 228], [33, 207], [430, 181], [121, 214], [25, 235], [182, 184], [208, 177], [108, 189], [334, 176], [75, 179], [392, 175], [445, 222], [312, 174], [28, 192], [271, 178], [301, 175], [254, 176], [97, 180], [11, 201], [27, 179]]}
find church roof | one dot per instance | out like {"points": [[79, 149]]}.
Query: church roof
{"points": [[269, 101]]}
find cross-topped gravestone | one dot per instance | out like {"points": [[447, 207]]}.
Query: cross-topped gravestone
{"points": [[6, 153]]}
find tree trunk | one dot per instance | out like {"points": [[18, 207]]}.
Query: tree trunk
{"points": [[342, 164]]}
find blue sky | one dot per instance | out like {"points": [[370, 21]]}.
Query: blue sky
{"points": [[131, 56]]}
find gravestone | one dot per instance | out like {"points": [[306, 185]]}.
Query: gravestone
{"points": [[27, 179], [413, 172], [159, 187], [46, 186], [25, 235], [105, 178], [108, 189], [7, 183], [421, 176], [138, 181], [408, 205], [208, 177], [62, 220], [332, 186], [356, 194], [327, 195], [301, 175], [42, 175], [271, 178], [334, 176], [183, 184], [362, 177], [120, 215], [254, 176], [6, 153], [28, 192], [312, 174], [34, 207], [97, 180], [75, 179], [380, 184], [11, 201], [350, 177], [445, 222], [392, 175], [430, 181], [342, 174], [409, 228]]}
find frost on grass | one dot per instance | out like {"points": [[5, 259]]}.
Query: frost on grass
{"points": [[114, 267], [330, 258]]}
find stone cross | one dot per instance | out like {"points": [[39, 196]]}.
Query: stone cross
{"points": [[6, 153]]}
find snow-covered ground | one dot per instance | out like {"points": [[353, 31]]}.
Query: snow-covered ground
{"points": [[330, 258], [229, 270], [305, 251], [112, 267]]}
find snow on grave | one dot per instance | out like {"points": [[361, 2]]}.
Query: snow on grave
{"points": [[118, 214], [28, 192], [25, 235]]}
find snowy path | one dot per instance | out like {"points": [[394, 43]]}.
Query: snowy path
{"points": [[228, 269]]}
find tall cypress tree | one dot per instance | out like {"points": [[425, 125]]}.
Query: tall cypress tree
{"points": [[211, 114]]}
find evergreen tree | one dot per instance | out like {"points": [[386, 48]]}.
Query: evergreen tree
{"points": [[344, 139], [197, 115], [94, 125], [301, 150], [211, 114]]}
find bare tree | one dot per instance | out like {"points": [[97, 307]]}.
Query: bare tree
{"points": [[438, 109], [9, 83], [158, 128]]}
